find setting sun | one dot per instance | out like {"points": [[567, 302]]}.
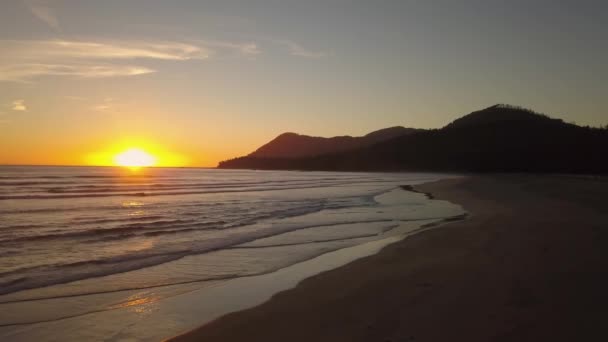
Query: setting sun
{"points": [[135, 157], [135, 153]]}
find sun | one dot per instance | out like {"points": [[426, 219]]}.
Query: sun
{"points": [[134, 157]]}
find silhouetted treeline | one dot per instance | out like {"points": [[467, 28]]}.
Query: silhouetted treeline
{"points": [[292, 145], [500, 138]]}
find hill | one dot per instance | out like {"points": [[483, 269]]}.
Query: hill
{"points": [[501, 113], [500, 138], [292, 145]]}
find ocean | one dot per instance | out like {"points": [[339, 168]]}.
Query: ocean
{"points": [[121, 246]]}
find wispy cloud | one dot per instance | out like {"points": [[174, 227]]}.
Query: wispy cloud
{"points": [[102, 108], [74, 98], [105, 106], [26, 72], [24, 60], [66, 49], [19, 105], [247, 48], [298, 50], [27, 59], [43, 11]]}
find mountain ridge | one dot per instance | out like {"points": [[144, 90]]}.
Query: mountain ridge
{"points": [[500, 138], [294, 145]]}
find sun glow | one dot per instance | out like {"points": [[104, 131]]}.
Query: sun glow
{"points": [[135, 157], [136, 153]]}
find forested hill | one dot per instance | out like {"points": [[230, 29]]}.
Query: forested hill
{"points": [[292, 145], [500, 138]]}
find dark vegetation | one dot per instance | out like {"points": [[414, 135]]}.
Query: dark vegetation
{"points": [[292, 145], [500, 138]]}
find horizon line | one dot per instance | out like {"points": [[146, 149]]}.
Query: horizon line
{"points": [[115, 166]]}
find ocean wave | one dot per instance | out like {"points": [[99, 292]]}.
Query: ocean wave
{"points": [[88, 220], [133, 227], [19, 226], [141, 225], [59, 274], [144, 194], [47, 275], [77, 191], [26, 183], [174, 256], [102, 240], [353, 237]]}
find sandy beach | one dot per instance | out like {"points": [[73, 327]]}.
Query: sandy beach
{"points": [[528, 265]]}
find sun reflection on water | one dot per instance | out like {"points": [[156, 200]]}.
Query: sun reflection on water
{"points": [[138, 304], [131, 203]]}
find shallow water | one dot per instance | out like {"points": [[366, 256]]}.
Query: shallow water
{"points": [[82, 243]]}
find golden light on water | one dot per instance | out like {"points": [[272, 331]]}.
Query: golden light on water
{"points": [[135, 157]]}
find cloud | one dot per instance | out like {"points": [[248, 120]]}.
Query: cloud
{"points": [[24, 60], [300, 51], [19, 105], [44, 12], [26, 72], [107, 105], [69, 49], [102, 108], [248, 49], [74, 98]]}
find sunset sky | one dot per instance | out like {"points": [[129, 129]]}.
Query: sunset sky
{"points": [[196, 82]]}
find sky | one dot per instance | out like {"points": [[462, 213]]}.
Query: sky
{"points": [[196, 82]]}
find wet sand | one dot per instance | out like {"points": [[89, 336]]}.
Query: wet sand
{"points": [[530, 264]]}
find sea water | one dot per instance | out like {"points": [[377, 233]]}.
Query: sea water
{"points": [[103, 253]]}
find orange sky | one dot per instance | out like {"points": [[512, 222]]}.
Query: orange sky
{"points": [[197, 82]]}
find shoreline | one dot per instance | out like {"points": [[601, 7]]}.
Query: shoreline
{"points": [[345, 257], [189, 306], [505, 273]]}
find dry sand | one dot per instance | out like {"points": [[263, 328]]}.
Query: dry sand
{"points": [[530, 264]]}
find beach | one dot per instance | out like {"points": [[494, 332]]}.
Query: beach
{"points": [[529, 264]]}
